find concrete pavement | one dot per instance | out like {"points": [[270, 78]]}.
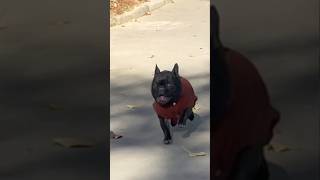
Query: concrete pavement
{"points": [[177, 32]]}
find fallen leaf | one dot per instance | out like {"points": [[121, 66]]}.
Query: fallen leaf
{"points": [[69, 142], [198, 154], [114, 135], [132, 107], [54, 107], [191, 154], [278, 148], [152, 56]]}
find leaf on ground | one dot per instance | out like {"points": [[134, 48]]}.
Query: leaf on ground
{"points": [[69, 142], [118, 7], [114, 135], [192, 154], [278, 148], [152, 56], [54, 107], [132, 107]]}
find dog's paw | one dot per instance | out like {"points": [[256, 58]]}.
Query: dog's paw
{"points": [[167, 141]]}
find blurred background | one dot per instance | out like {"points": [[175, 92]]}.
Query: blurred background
{"points": [[53, 84], [282, 39]]}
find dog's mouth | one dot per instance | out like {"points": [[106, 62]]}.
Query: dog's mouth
{"points": [[163, 100]]}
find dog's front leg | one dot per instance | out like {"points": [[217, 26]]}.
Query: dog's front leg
{"points": [[166, 131]]}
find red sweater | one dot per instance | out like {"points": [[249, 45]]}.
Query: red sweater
{"points": [[174, 112], [249, 119]]}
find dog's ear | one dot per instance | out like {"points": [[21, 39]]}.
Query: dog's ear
{"points": [[175, 70], [157, 70]]}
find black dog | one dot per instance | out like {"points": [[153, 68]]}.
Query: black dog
{"points": [[174, 99]]}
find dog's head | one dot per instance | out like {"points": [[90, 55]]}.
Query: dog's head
{"points": [[166, 86]]}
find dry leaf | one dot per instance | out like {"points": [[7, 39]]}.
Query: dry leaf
{"points": [[69, 142], [152, 56], [191, 154], [132, 107], [277, 148], [114, 135]]}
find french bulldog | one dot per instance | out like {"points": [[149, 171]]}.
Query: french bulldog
{"points": [[174, 99]]}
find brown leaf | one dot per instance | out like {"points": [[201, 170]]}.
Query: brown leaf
{"points": [[132, 107], [69, 142], [192, 154]]}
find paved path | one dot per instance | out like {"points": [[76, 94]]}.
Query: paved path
{"points": [[177, 32]]}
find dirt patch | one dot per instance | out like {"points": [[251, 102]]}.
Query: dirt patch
{"points": [[118, 7]]}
